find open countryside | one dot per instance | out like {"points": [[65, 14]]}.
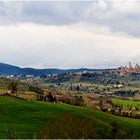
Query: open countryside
{"points": [[69, 69], [91, 102]]}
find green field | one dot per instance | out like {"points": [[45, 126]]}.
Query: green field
{"points": [[29, 119], [126, 103]]}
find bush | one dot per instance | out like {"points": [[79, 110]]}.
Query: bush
{"points": [[118, 133], [73, 100], [68, 126], [13, 87]]}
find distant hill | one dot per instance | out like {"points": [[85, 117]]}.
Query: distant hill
{"points": [[6, 69]]}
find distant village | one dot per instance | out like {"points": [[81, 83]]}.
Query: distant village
{"points": [[123, 70]]}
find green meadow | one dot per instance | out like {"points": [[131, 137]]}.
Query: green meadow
{"points": [[34, 119], [126, 103]]}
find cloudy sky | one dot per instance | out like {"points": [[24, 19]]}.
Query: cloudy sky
{"points": [[70, 34]]}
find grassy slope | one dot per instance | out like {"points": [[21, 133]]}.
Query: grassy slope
{"points": [[26, 117], [125, 102]]}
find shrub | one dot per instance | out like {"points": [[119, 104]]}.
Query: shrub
{"points": [[68, 126], [73, 100], [13, 87]]}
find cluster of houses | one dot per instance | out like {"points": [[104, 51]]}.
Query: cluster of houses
{"points": [[30, 79], [129, 69], [123, 70]]}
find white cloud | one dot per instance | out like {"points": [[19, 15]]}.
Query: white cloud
{"points": [[69, 46], [108, 9], [126, 6]]}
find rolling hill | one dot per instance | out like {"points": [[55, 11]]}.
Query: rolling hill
{"points": [[34, 119]]}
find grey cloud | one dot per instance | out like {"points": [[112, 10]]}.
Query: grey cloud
{"points": [[119, 16], [43, 12]]}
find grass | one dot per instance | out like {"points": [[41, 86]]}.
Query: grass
{"points": [[68, 126], [28, 119], [125, 103]]}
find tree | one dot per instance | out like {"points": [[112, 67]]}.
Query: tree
{"points": [[39, 92], [13, 87], [51, 98], [77, 88]]}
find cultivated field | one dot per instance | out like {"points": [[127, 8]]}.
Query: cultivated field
{"points": [[126, 103]]}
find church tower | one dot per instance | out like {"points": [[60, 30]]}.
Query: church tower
{"points": [[130, 67]]}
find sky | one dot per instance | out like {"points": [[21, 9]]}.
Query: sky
{"points": [[70, 34]]}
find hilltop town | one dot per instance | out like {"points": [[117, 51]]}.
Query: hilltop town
{"points": [[123, 70]]}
